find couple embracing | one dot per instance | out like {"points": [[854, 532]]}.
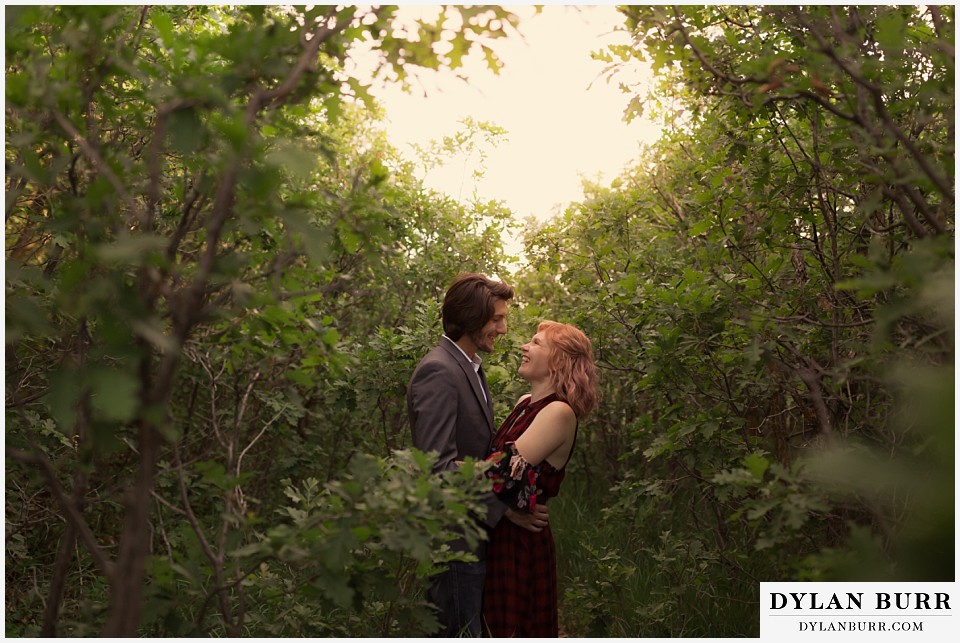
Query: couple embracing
{"points": [[511, 590]]}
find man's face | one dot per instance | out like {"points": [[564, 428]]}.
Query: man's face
{"points": [[486, 336]]}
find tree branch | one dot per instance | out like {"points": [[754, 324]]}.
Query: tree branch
{"points": [[73, 515]]}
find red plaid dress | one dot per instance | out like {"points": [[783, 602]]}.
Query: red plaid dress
{"points": [[520, 591]]}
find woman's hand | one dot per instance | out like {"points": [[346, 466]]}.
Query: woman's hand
{"points": [[534, 521]]}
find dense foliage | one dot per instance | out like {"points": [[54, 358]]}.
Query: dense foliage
{"points": [[209, 251], [220, 276], [771, 295]]}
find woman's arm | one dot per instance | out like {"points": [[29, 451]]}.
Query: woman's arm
{"points": [[551, 433], [516, 468]]}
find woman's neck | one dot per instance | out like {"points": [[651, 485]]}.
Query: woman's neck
{"points": [[539, 390]]}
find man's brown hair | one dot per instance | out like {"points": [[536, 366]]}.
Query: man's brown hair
{"points": [[468, 304]]}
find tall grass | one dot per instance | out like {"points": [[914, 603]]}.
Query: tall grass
{"points": [[645, 572]]}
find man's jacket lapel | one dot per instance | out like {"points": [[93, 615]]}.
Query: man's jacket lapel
{"points": [[474, 380]]}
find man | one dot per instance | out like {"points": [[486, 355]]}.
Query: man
{"points": [[451, 413]]}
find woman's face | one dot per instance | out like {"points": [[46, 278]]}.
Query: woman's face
{"points": [[535, 363]]}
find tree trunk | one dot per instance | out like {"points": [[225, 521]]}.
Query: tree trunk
{"points": [[127, 580], [58, 581]]}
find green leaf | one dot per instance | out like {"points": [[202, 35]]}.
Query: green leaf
{"points": [[215, 474], [757, 465], [316, 242], [330, 337], [336, 587], [114, 394], [164, 26], [131, 248], [25, 317], [186, 130], [62, 397], [293, 156], [700, 227], [153, 332], [890, 32]]}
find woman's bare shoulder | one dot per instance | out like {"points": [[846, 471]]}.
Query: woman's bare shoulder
{"points": [[561, 410]]}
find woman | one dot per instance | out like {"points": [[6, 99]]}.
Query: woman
{"points": [[531, 451]]}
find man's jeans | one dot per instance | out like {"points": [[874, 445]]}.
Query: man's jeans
{"points": [[457, 592]]}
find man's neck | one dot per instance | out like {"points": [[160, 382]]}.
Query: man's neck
{"points": [[467, 346]]}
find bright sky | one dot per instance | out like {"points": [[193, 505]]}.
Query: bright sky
{"points": [[563, 118]]}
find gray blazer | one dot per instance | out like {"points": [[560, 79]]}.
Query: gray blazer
{"points": [[445, 404]]}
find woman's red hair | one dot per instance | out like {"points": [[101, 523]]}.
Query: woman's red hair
{"points": [[572, 369]]}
